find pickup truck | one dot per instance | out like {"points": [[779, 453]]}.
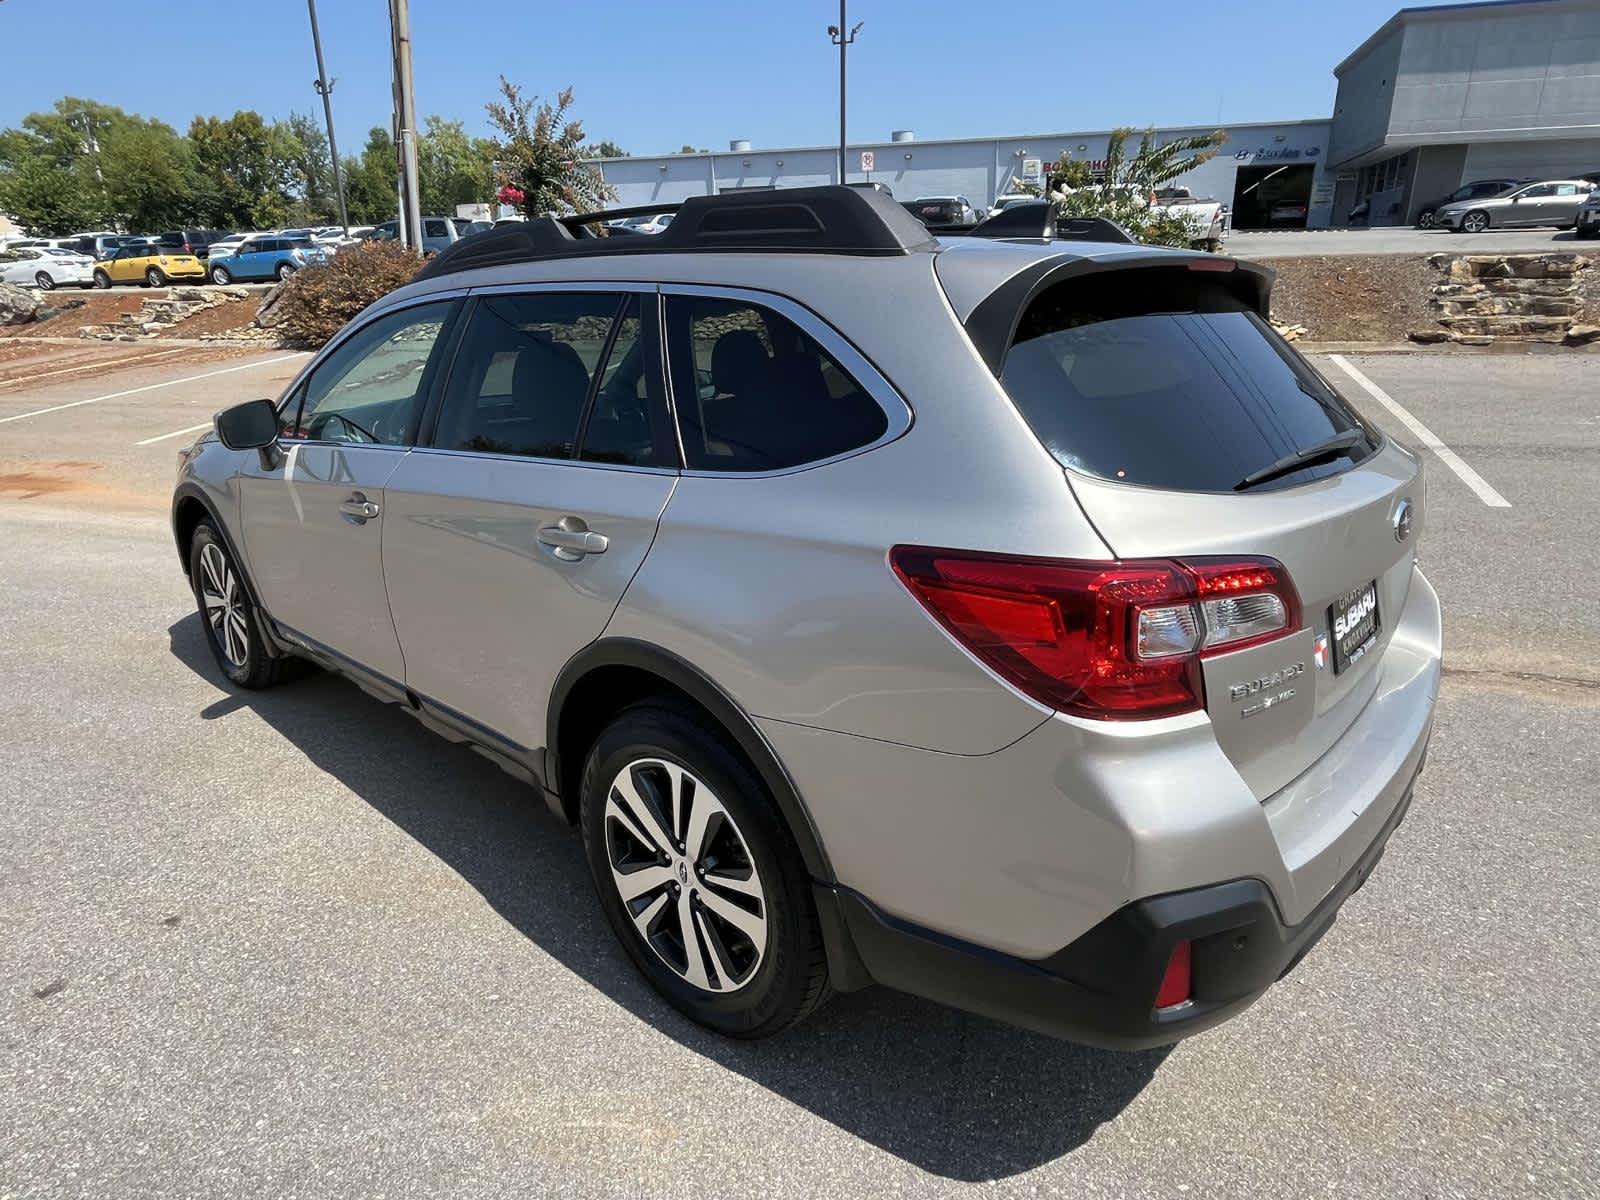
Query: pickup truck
{"points": [[1209, 220]]}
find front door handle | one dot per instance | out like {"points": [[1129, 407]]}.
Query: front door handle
{"points": [[571, 539], [358, 508]]}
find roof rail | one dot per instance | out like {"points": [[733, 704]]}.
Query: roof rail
{"points": [[818, 220]]}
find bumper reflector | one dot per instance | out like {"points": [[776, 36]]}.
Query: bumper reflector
{"points": [[1175, 983]]}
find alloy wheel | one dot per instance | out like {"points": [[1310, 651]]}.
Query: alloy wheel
{"points": [[685, 875], [1427, 220], [1475, 223], [224, 605]]}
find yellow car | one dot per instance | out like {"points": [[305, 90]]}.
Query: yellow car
{"points": [[146, 264]]}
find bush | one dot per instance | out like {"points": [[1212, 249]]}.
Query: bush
{"points": [[314, 303]]}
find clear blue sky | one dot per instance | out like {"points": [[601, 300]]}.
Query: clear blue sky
{"points": [[654, 76]]}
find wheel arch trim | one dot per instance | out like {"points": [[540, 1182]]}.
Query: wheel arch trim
{"points": [[653, 659]]}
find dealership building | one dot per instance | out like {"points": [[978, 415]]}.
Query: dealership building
{"points": [[1435, 97]]}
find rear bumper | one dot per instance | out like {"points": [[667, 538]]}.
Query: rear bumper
{"points": [[1100, 989]]}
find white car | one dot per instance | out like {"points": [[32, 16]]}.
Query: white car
{"points": [[45, 267], [223, 247], [1006, 199], [650, 224]]}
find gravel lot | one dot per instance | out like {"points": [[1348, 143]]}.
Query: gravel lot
{"points": [[290, 944]]}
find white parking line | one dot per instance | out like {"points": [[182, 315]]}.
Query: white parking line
{"points": [[149, 387], [1426, 436], [99, 363], [175, 433]]}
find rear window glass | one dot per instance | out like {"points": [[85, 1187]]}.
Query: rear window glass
{"points": [[1163, 379]]}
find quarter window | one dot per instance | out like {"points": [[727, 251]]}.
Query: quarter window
{"points": [[372, 388], [522, 375], [755, 392]]}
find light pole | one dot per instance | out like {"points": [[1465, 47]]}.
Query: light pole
{"points": [[841, 39], [406, 123], [323, 86]]}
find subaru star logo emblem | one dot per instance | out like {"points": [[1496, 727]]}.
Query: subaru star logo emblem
{"points": [[1402, 521], [683, 872]]}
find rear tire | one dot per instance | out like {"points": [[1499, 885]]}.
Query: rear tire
{"points": [[219, 275], [226, 613], [1426, 219], [102, 280], [155, 278], [733, 868], [43, 281]]}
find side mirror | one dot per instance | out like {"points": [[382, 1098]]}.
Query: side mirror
{"points": [[252, 425]]}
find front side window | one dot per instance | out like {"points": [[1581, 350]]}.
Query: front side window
{"points": [[1538, 189], [522, 374], [755, 392], [371, 390]]}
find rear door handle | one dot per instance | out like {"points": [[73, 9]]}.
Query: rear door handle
{"points": [[571, 539], [359, 509]]}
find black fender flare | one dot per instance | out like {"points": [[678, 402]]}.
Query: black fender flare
{"points": [[646, 656]]}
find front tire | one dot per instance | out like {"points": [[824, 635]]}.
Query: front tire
{"points": [[697, 874], [1475, 222], [226, 613], [284, 271], [102, 280]]}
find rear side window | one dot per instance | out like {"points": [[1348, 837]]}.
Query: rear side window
{"points": [[1164, 379], [755, 392]]}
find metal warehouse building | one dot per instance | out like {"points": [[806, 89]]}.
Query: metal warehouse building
{"points": [[1434, 97]]}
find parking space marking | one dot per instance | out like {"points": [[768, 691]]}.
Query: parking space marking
{"points": [[149, 387], [161, 437], [1426, 436]]}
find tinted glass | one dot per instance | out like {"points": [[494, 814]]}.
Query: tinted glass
{"points": [[754, 392], [521, 375], [1540, 189], [372, 388], [1149, 377], [618, 428], [435, 229]]}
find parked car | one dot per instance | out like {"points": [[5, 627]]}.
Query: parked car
{"points": [[1006, 199], [937, 211], [1287, 212], [150, 265], [1210, 221], [437, 232], [189, 241], [654, 223], [1551, 202], [1095, 733], [1588, 224], [272, 256], [228, 244], [99, 245], [45, 267], [1478, 189]]}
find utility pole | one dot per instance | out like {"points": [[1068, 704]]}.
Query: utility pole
{"points": [[324, 88], [406, 115], [841, 39]]}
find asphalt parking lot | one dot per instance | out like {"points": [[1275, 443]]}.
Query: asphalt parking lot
{"points": [[289, 943], [1302, 243]]}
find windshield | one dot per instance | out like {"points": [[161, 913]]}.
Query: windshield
{"points": [[1128, 375]]}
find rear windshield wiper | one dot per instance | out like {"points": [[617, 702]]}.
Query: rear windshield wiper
{"points": [[1338, 446]]}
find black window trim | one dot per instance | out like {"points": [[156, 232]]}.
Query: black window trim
{"points": [[898, 414], [651, 328]]}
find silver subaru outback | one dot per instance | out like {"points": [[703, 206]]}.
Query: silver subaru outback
{"points": [[1011, 619]]}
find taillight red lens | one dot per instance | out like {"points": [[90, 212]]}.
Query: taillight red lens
{"points": [[1111, 640], [1176, 984]]}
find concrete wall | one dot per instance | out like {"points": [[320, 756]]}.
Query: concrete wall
{"points": [[1439, 172], [979, 169], [1362, 105], [1533, 68], [1541, 158]]}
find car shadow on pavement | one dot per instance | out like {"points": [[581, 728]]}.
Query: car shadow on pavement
{"points": [[956, 1095]]}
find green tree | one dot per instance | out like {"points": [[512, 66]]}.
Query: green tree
{"points": [[452, 168], [540, 149], [149, 171], [246, 164], [606, 149], [686, 148], [308, 168], [45, 198], [1124, 191], [370, 180]]}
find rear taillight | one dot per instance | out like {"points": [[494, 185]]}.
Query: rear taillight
{"points": [[1110, 640]]}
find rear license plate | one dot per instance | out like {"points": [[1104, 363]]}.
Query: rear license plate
{"points": [[1353, 618]]}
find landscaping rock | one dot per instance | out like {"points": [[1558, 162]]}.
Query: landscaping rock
{"points": [[17, 307], [1429, 336], [1524, 297], [1582, 335]]}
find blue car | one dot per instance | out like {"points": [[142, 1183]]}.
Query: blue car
{"points": [[266, 258]]}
